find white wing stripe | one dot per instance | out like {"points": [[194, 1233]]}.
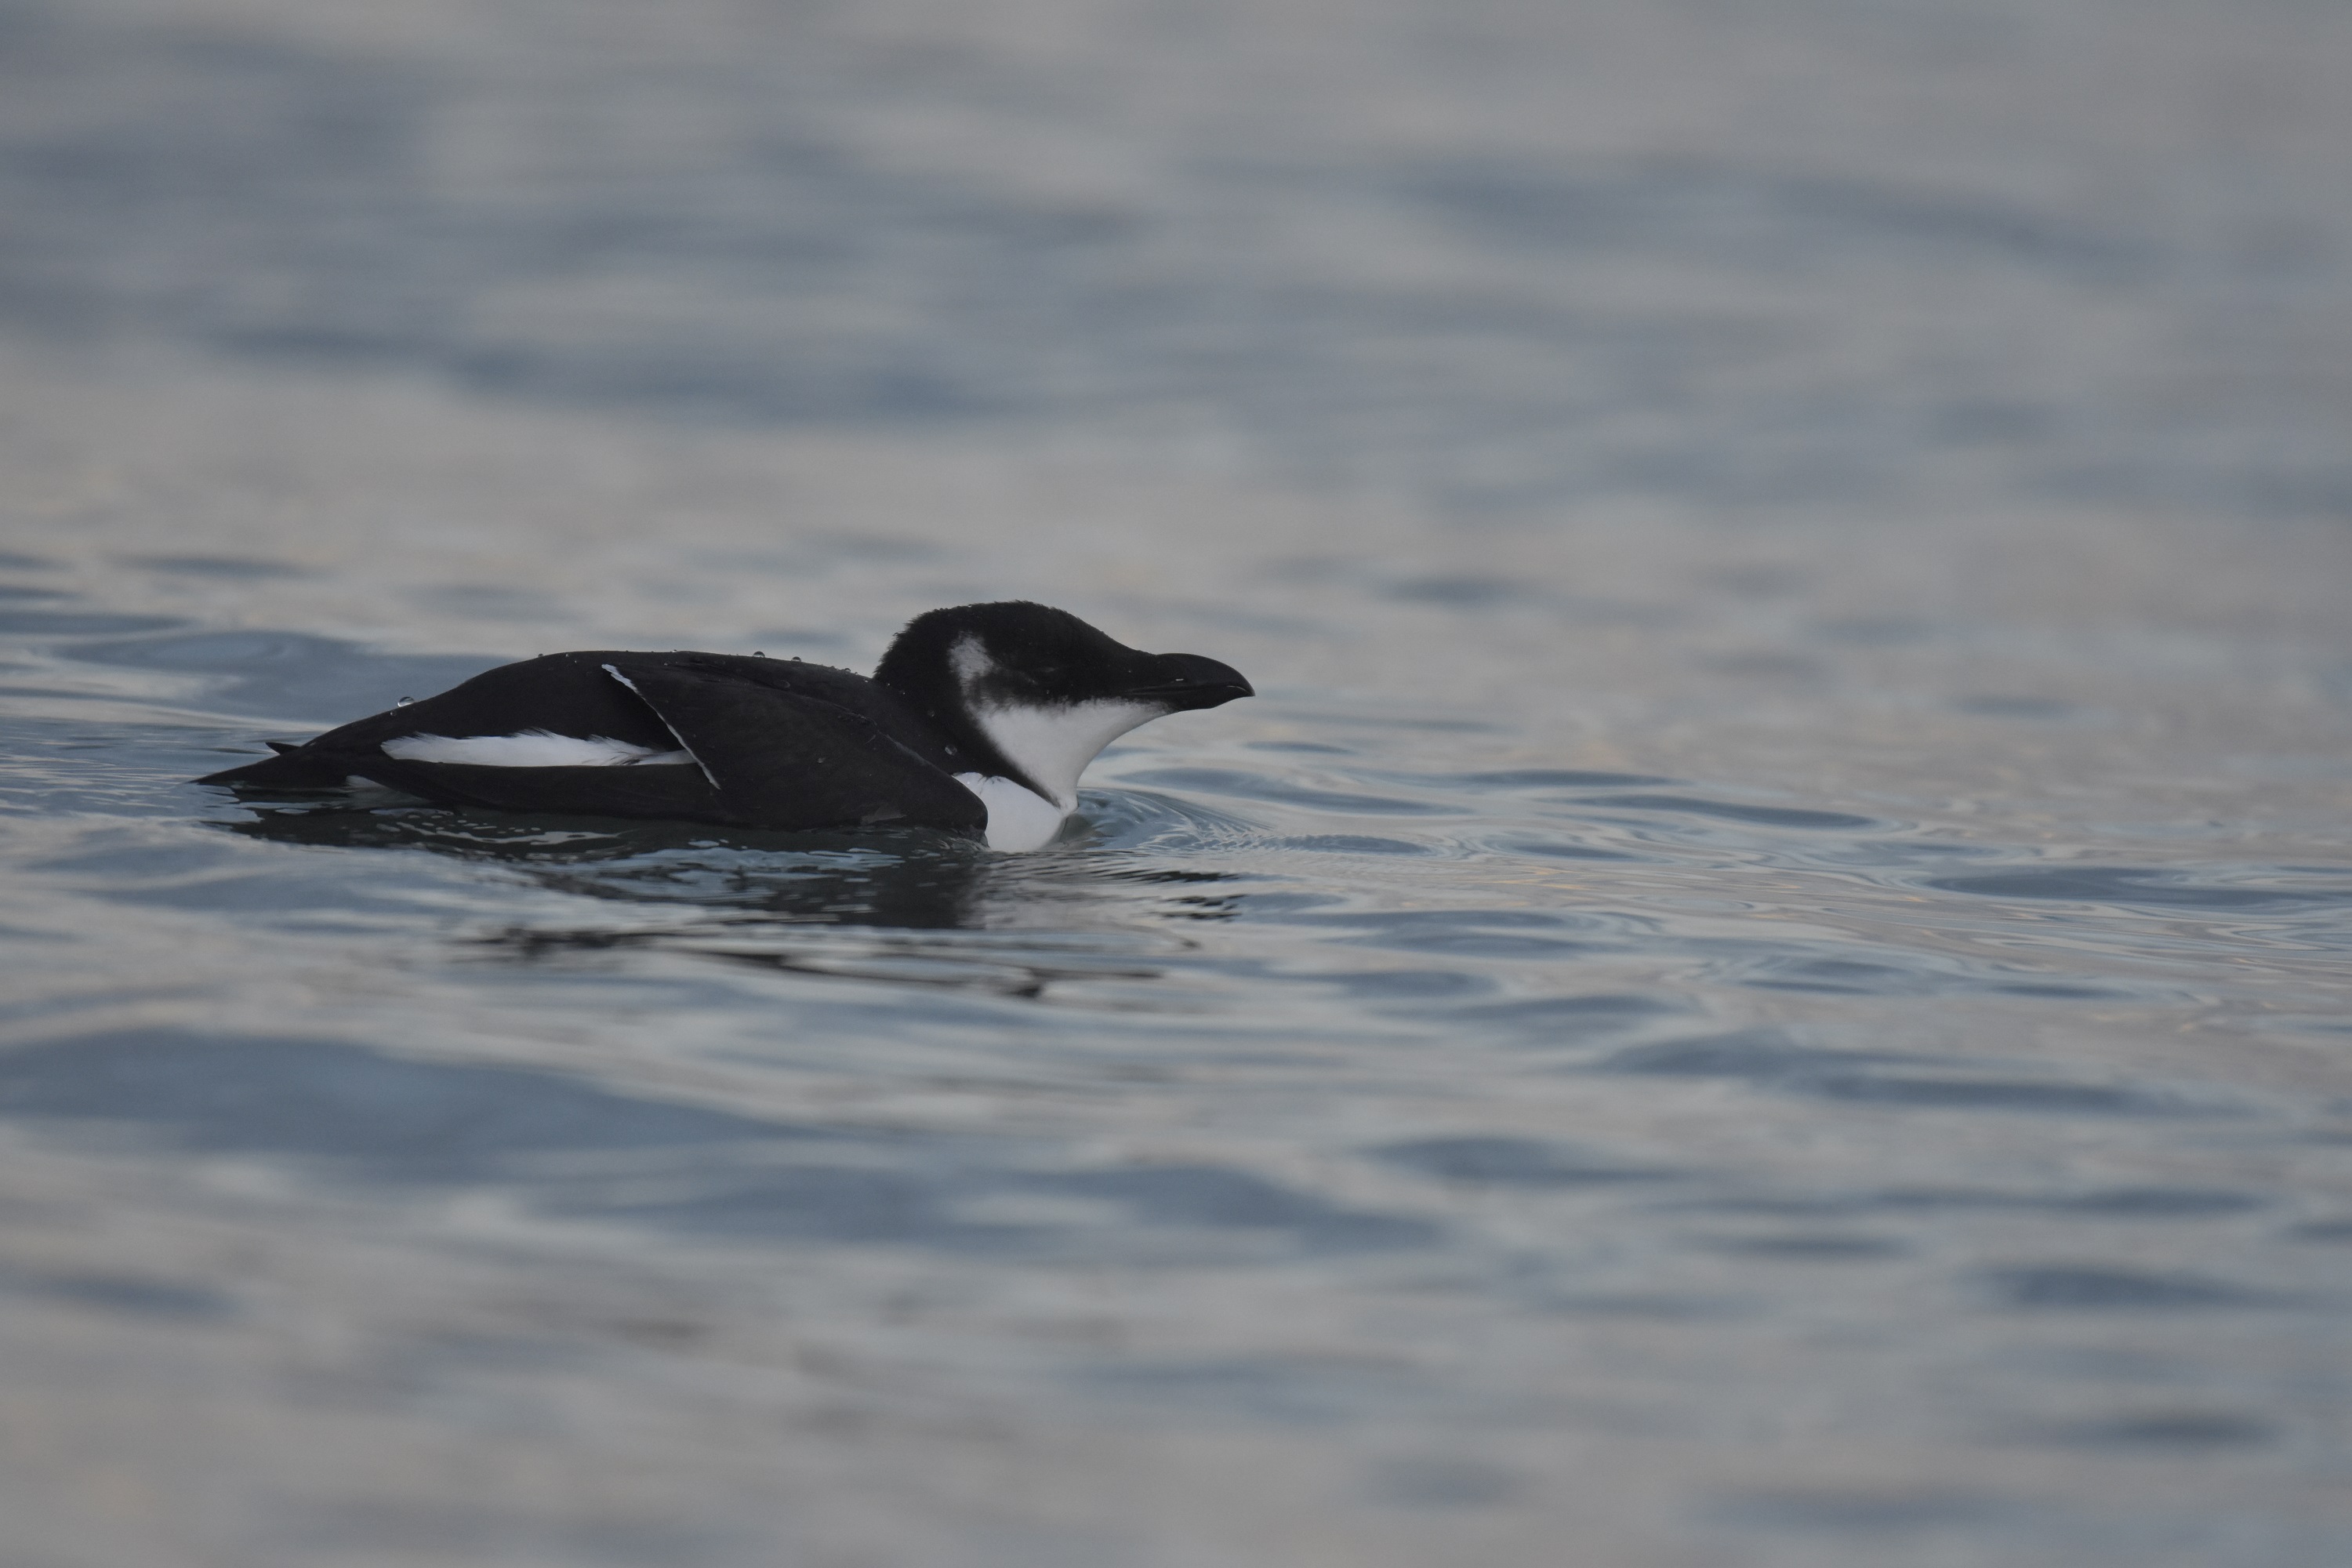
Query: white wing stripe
{"points": [[529, 749]]}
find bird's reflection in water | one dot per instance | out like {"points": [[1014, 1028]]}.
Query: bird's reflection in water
{"points": [[907, 906]]}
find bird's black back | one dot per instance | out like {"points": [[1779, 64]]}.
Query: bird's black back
{"points": [[776, 742]]}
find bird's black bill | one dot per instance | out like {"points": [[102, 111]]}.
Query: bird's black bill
{"points": [[1187, 680]]}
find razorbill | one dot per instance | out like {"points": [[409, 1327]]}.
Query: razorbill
{"points": [[979, 720]]}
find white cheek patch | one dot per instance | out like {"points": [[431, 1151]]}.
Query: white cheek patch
{"points": [[530, 749], [1018, 818], [1054, 744], [970, 661]]}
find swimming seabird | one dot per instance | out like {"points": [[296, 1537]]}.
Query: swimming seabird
{"points": [[979, 720]]}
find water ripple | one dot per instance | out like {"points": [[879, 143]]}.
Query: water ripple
{"points": [[580, 1151], [2077, 1288], [1512, 1163], [1732, 811], [2134, 885], [288, 676], [1260, 786]]}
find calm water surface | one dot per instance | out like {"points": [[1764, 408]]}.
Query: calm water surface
{"points": [[1769, 980]]}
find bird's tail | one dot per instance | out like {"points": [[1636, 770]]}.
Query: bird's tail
{"points": [[294, 767]]}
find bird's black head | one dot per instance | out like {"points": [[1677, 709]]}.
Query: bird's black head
{"points": [[1017, 654], [1038, 689]]}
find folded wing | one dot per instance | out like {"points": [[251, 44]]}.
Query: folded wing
{"points": [[788, 759], [757, 753]]}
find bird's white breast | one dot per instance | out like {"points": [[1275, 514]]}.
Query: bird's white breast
{"points": [[1018, 818]]}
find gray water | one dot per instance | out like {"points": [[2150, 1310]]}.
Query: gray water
{"points": [[1768, 980]]}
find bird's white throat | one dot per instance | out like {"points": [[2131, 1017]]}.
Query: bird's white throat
{"points": [[1054, 744], [1051, 743]]}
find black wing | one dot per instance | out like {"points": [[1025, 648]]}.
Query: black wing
{"points": [[778, 758], [563, 693], [766, 754]]}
